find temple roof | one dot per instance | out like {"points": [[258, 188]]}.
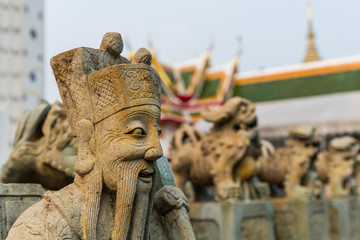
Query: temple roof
{"points": [[220, 83], [190, 85]]}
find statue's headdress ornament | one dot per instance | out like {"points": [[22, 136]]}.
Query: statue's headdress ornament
{"points": [[305, 133], [96, 83]]}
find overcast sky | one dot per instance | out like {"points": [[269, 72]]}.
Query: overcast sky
{"points": [[273, 32]]}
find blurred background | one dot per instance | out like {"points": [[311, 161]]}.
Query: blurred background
{"points": [[298, 60]]}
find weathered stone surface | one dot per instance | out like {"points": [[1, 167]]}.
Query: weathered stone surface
{"points": [[233, 220], [206, 229], [170, 217], [354, 215], [292, 165], [301, 220], [344, 218], [113, 107], [336, 165], [46, 152], [226, 157], [44, 149], [14, 200], [165, 176]]}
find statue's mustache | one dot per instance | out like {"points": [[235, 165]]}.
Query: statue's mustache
{"points": [[121, 162]]}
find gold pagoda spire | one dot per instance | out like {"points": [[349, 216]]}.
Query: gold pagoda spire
{"points": [[311, 54]]}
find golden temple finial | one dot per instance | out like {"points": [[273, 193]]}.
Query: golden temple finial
{"points": [[241, 46], [311, 54]]}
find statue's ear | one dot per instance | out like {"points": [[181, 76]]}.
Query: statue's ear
{"points": [[85, 157]]}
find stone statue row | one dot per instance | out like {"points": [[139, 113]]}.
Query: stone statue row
{"points": [[100, 149], [232, 157], [242, 166], [293, 192]]}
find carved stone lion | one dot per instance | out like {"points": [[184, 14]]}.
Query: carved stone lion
{"points": [[226, 157], [336, 166], [44, 149], [289, 169]]}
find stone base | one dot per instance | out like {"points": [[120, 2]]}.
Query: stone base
{"points": [[14, 200], [354, 214], [301, 220], [344, 218], [232, 221]]}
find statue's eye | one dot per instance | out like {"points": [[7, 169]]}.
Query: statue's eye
{"points": [[236, 127], [137, 131], [253, 123]]}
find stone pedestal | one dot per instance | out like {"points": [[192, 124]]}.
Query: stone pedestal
{"points": [[232, 221], [354, 215], [14, 200], [301, 220], [344, 218]]}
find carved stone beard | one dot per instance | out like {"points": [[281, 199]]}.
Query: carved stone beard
{"points": [[127, 196], [133, 202], [143, 202]]}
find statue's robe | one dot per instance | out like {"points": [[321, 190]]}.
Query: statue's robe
{"points": [[58, 216], [41, 221]]}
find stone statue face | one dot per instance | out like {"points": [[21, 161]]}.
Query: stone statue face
{"points": [[311, 149], [342, 164], [129, 138]]}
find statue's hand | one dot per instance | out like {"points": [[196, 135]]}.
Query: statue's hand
{"points": [[169, 198], [170, 216]]}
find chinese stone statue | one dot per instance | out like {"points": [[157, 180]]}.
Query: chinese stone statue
{"points": [[336, 166], [44, 150], [289, 165], [226, 157], [113, 107]]}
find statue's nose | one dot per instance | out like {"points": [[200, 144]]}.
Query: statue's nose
{"points": [[153, 153]]}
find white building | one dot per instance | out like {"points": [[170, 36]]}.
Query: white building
{"points": [[21, 64]]}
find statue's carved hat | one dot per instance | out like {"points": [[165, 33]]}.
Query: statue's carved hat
{"points": [[94, 86], [122, 86], [305, 133]]}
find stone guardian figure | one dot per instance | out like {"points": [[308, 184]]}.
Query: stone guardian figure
{"points": [[113, 107]]}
